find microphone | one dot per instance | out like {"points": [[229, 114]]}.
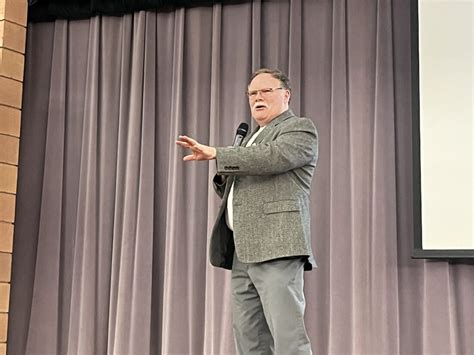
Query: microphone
{"points": [[240, 134]]}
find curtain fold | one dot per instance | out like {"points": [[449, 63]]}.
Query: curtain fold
{"points": [[110, 253], [46, 284], [339, 175]]}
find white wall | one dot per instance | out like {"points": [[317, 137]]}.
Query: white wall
{"points": [[446, 41]]}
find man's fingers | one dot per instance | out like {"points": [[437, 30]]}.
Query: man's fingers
{"points": [[183, 144], [188, 140], [189, 157], [200, 151]]}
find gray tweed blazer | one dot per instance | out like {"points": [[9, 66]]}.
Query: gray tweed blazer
{"points": [[272, 180]]}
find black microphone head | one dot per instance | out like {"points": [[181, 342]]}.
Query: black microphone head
{"points": [[243, 129]]}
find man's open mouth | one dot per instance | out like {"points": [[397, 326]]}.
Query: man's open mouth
{"points": [[259, 107]]}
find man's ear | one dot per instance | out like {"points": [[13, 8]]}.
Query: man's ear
{"points": [[287, 95]]}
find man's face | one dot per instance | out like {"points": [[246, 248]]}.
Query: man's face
{"points": [[265, 105]]}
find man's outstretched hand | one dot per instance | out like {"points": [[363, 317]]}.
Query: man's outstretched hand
{"points": [[198, 151]]}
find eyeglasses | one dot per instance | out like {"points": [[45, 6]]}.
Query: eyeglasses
{"points": [[264, 92]]}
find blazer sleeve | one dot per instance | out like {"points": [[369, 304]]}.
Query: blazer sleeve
{"points": [[295, 146]]}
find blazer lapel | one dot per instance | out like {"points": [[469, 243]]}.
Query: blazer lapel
{"points": [[275, 122], [248, 136]]}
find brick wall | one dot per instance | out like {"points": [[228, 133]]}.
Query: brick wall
{"points": [[12, 58]]}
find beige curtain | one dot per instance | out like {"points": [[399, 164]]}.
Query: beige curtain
{"points": [[110, 253]]}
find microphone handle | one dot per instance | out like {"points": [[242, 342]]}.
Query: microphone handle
{"points": [[238, 140]]}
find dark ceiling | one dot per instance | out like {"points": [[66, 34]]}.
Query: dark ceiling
{"points": [[49, 10]]}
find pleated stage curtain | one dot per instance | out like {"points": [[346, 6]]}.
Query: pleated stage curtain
{"points": [[110, 245]]}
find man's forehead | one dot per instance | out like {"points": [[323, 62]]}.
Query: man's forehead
{"points": [[263, 79]]}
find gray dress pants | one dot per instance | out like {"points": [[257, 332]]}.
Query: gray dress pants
{"points": [[268, 307]]}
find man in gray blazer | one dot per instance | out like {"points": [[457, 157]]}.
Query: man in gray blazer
{"points": [[262, 231]]}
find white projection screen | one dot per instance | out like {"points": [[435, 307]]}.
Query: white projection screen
{"points": [[443, 129]]}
